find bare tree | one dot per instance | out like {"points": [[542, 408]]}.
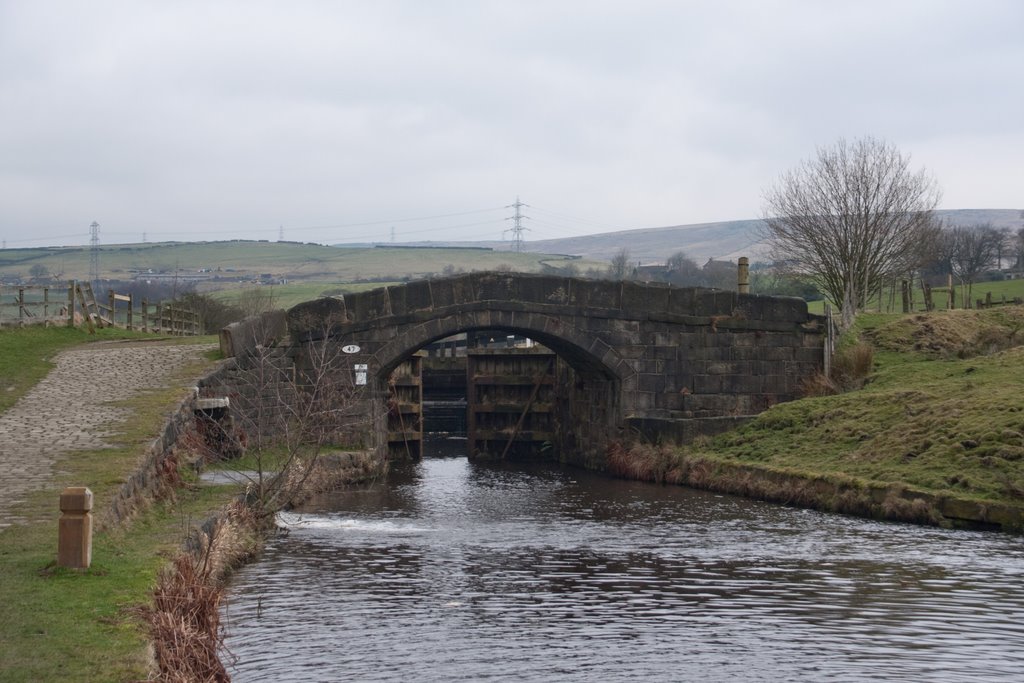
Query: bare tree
{"points": [[1004, 245], [39, 272], [619, 269], [972, 251], [256, 301], [851, 217], [291, 404], [682, 270], [1018, 248]]}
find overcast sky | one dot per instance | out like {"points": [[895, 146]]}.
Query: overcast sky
{"points": [[341, 121]]}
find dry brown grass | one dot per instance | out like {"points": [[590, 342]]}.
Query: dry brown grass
{"points": [[851, 366], [953, 334], [184, 621]]}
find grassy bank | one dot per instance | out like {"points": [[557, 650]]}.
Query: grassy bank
{"points": [[940, 413], [60, 624]]}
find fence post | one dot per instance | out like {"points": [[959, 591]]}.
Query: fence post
{"points": [[828, 340], [160, 316], [71, 303], [145, 316], [21, 305]]}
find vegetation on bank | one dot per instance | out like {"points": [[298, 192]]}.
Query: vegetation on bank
{"points": [[59, 624], [939, 412]]}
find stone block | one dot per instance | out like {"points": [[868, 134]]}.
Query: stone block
{"points": [[666, 352], [787, 309], [779, 353], [490, 287], [366, 306], [682, 301], [741, 384], [720, 368], [599, 294], [706, 384], [813, 355], [442, 293], [415, 296]]}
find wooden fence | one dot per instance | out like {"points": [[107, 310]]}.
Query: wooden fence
{"points": [[75, 303]]}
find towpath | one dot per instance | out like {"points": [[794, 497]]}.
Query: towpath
{"points": [[79, 406]]}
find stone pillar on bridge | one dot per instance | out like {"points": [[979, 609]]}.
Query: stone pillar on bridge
{"points": [[743, 275]]}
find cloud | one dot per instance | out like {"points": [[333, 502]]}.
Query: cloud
{"points": [[207, 119]]}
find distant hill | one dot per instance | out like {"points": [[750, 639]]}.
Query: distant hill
{"points": [[702, 241]]}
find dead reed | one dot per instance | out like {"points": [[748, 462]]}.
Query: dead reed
{"points": [[184, 620]]}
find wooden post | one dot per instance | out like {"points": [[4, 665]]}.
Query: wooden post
{"points": [[743, 275], [85, 309], [145, 316], [160, 316], [929, 305], [74, 529], [906, 295], [828, 340], [71, 303], [21, 305], [951, 303], [131, 303], [113, 302]]}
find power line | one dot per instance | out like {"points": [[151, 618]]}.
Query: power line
{"points": [[517, 224]]}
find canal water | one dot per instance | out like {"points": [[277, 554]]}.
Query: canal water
{"points": [[462, 571]]}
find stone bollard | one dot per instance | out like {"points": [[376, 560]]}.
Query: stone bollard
{"points": [[74, 533]]}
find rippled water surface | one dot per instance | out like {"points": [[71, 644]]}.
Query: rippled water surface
{"points": [[459, 571]]}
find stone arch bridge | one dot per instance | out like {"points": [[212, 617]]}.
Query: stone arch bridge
{"points": [[663, 361]]}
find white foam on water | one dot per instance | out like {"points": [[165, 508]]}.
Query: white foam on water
{"points": [[294, 521]]}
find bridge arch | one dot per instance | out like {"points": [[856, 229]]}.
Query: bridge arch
{"points": [[586, 354]]}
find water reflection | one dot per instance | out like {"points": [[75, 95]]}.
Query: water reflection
{"points": [[462, 571]]}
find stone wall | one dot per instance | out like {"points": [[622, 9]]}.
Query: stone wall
{"points": [[157, 476]]}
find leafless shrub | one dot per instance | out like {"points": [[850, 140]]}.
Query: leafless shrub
{"points": [[291, 404]]}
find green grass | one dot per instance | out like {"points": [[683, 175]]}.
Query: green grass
{"points": [[288, 295], [58, 624], [1011, 289], [242, 260], [927, 418]]}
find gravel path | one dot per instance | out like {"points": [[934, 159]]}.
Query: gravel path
{"points": [[70, 410]]}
